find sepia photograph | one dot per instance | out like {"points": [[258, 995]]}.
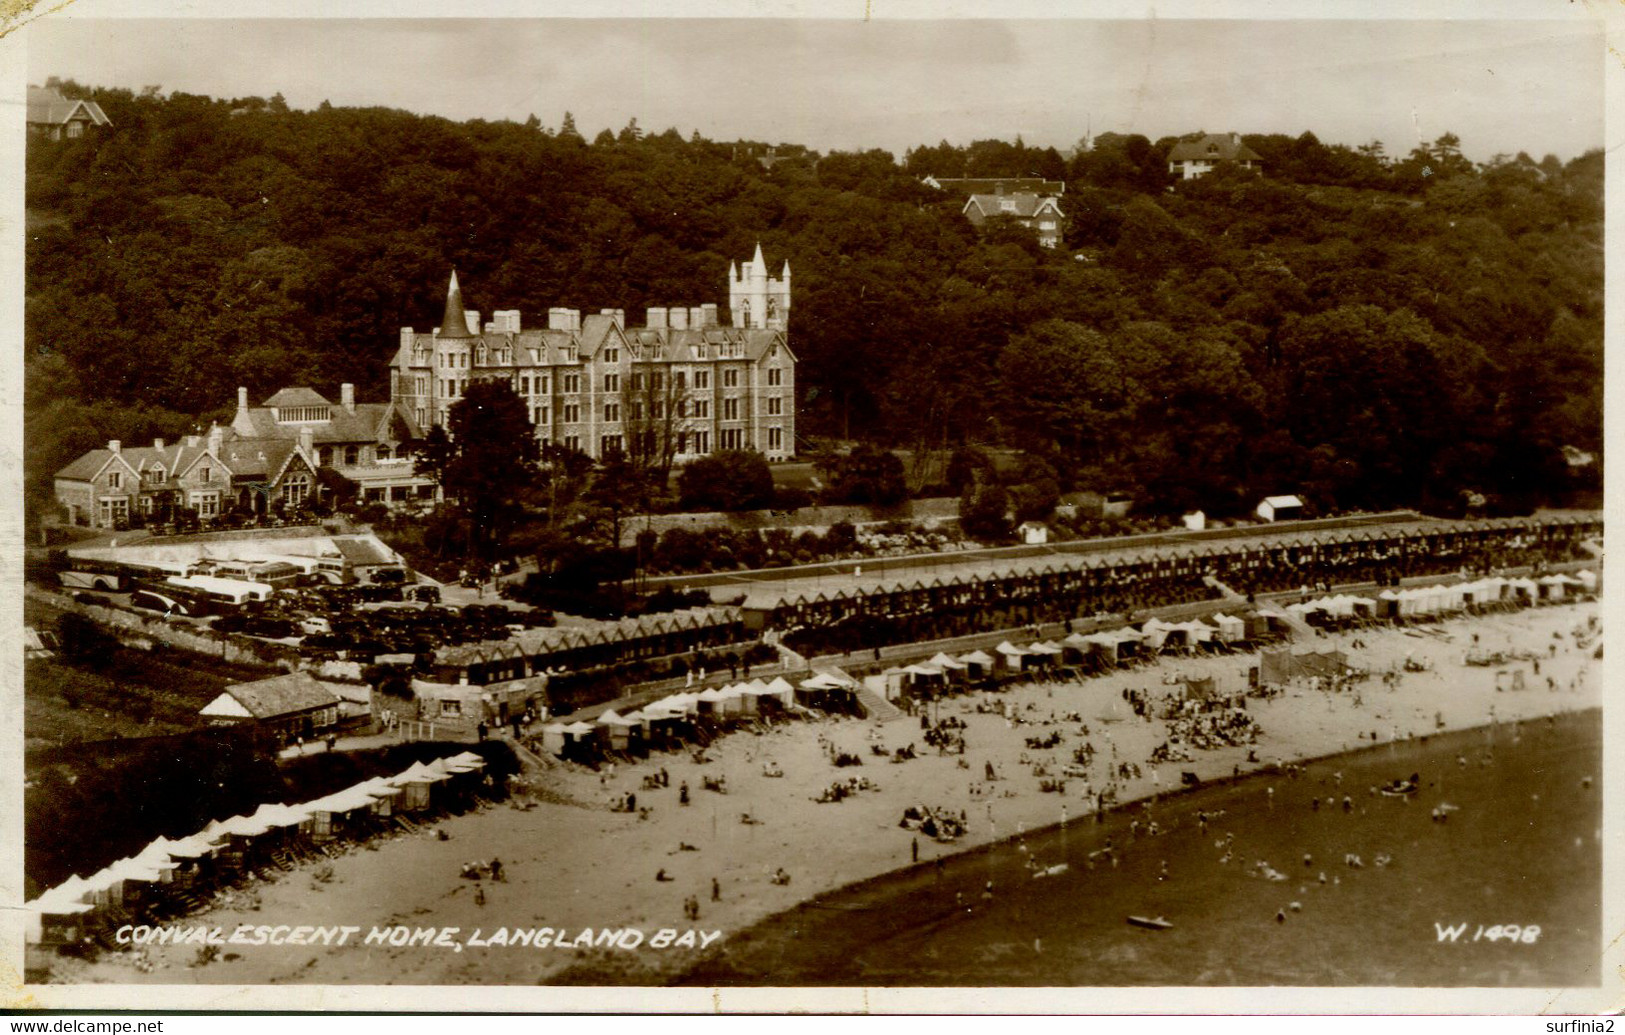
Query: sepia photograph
{"points": [[654, 507]]}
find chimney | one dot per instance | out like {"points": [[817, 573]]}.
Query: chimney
{"points": [[558, 319], [696, 317], [472, 318], [679, 318], [575, 319], [998, 188], [307, 440], [347, 396], [193, 441], [657, 318], [490, 327], [708, 313], [113, 446], [158, 444], [214, 439], [407, 337], [1235, 138], [242, 400], [507, 321]]}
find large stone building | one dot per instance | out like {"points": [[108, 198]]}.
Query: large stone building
{"points": [[683, 385], [268, 458]]}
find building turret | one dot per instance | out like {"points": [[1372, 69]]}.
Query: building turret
{"points": [[454, 324], [757, 300]]}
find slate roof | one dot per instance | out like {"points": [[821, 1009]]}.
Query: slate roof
{"points": [[175, 456], [256, 457], [47, 106], [1026, 205], [282, 695], [300, 396], [369, 423], [1223, 147]]}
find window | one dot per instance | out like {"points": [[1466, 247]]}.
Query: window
{"points": [[612, 412], [450, 707], [656, 380], [612, 382], [155, 473], [682, 442], [730, 409], [702, 379], [682, 407], [208, 506], [702, 408], [774, 406], [423, 384], [384, 452], [572, 413], [115, 480], [352, 456], [1007, 205], [295, 489], [572, 442], [572, 383], [775, 377], [636, 410], [203, 474], [657, 410], [423, 416], [702, 442], [541, 384], [679, 380], [733, 438], [542, 415], [609, 444], [775, 438], [524, 385], [730, 379], [612, 355], [637, 382]]}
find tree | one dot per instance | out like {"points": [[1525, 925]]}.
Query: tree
{"points": [[984, 512], [729, 479], [866, 475], [482, 459]]}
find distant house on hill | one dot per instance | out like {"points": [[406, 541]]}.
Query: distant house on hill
{"points": [[294, 704], [965, 186], [1040, 214], [55, 117], [1192, 158]]}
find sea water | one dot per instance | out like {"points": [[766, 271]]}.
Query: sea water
{"points": [[1505, 891]]}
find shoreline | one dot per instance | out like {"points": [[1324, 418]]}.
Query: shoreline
{"points": [[573, 864], [784, 935]]}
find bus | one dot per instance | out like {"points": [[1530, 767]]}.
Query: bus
{"points": [[277, 574], [231, 592], [313, 570], [173, 600], [107, 582]]}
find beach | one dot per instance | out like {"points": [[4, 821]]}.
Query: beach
{"points": [[571, 864]]}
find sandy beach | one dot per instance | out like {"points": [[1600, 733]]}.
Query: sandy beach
{"points": [[571, 863]]}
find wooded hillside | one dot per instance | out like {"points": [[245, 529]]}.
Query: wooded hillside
{"points": [[1369, 331]]}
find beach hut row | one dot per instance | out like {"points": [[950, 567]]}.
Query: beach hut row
{"points": [[178, 870], [627, 731]]}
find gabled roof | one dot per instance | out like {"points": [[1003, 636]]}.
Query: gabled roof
{"points": [[282, 695], [47, 106], [91, 464], [1224, 147], [256, 457], [1025, 205]]}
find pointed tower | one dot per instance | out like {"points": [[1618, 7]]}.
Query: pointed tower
{"points": [[755, 300], [454, 323]]}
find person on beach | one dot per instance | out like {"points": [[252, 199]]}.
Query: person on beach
{"points": [[716, 890]]}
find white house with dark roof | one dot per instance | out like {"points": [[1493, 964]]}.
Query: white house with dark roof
{"points": [[594, 384], [1189, 159], [1040, 213], [55, 117]]}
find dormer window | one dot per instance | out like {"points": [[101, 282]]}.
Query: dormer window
{"points": [[302, 414], [1007, 205]]}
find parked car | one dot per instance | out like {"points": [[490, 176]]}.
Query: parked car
{"points": [[426, 594]]}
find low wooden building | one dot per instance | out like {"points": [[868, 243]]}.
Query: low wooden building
{"points": [[293, 705]]}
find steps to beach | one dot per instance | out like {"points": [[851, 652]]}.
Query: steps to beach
{"points": [[877, 707]]}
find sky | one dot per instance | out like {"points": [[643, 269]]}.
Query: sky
{"points": [[1501, 86]]}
